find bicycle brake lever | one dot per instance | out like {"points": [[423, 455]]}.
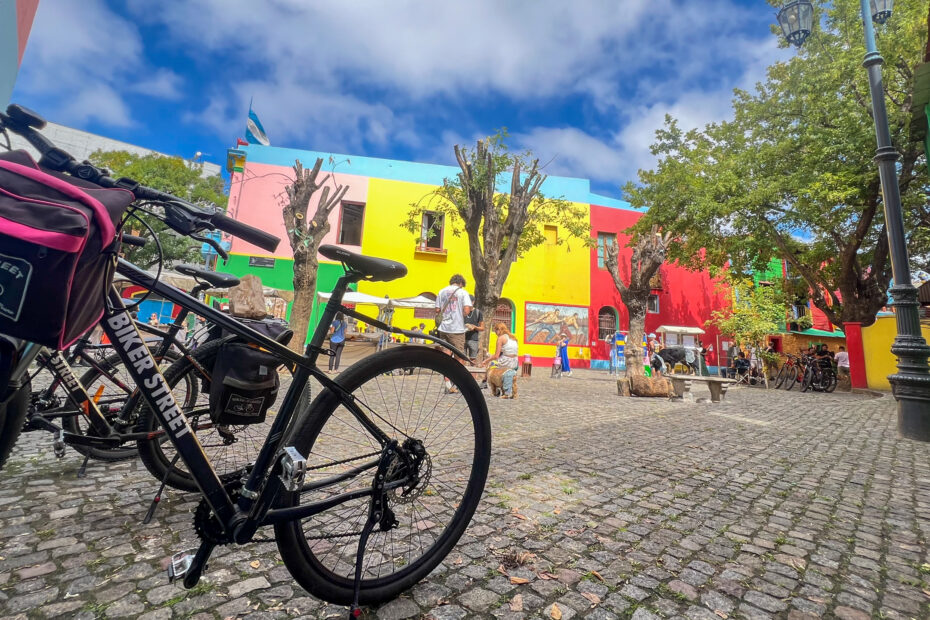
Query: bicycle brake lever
{"points": [[213, 243]]}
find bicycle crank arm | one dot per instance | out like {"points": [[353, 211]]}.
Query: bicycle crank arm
{"points": [[73, 439]]}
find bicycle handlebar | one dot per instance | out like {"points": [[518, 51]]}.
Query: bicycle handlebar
{"points": [[182, 216]]}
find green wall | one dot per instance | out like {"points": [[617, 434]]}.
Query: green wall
{"points": [[281, 277]]}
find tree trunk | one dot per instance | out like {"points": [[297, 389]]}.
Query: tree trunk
{"points": [[305, 269], [484, 338], [634, 340]]}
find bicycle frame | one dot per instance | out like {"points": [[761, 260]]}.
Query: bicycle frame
{"points": [[241, 519]]}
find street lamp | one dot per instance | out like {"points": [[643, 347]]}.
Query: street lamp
{"points": [[911, 384], [795, 19]]}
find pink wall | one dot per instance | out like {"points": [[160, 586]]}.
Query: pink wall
{"points": [[255, 198]]}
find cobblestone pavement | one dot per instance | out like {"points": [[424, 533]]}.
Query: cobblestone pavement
{"points": [[770, 504]]}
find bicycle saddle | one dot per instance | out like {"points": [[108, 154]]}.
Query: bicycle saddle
{"points": [[215, 278], [375, 269]]}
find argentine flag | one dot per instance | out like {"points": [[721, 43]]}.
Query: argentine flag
{"points": [[254, 132]]}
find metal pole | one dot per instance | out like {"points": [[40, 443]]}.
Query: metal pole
{"points": [[911, 384]]}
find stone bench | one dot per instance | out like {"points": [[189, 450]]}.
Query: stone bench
{"points": [[682, 386]]}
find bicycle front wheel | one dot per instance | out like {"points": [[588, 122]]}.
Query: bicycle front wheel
{"points": [[781, 376], [231, 449], [404, 392], [111, 386]]}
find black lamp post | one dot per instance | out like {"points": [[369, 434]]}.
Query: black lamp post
{"points": [[911, 384]]}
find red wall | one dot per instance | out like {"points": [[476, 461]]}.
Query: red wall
{"points": [[687, 298]]}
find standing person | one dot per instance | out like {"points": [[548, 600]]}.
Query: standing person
{"points": [[507, 356], [452, 305], [474, 325], [842, 363], [337, 340], [564, 341], [153, 320]]}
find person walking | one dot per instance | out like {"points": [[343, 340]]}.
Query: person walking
{"points": [[564, 341], [337, 340], [507, 356], [452, 305], [474, 325]]}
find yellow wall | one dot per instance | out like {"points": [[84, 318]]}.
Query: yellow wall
{"points": [[546, 274], [879, 360]]}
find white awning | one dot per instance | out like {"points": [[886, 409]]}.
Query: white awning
{"points": [[353, 297], [415, 302], [674, 329]]}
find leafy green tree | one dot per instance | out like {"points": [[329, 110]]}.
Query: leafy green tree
{"points": [[168, 174], [791, 175], [756, 312], [501, 226]]}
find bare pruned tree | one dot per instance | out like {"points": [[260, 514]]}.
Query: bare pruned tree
{"points": [[305, 235], [649, 251]]}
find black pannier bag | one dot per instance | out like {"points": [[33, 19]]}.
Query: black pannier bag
{"points": [[245, 378], [58, 240]]}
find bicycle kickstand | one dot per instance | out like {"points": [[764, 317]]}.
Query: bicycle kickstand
{"points": [[82, 471], [378, 514], [155, 500]]}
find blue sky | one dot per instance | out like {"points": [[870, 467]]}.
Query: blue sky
{"points": [[582, 84]]}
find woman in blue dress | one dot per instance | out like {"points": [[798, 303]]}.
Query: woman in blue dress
{"points": [[564, 341]]}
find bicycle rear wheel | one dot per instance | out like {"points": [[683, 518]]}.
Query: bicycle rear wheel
{"points": [[455, 431], [829, 380]]}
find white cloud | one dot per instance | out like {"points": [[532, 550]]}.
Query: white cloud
{"points": [[82, 58]]}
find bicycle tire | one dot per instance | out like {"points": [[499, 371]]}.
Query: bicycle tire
{"points": [[781, 376], [12, 418], [77, 424], [808, 381], [829, 381], [791, 379], [367, 381], [219, 444]]}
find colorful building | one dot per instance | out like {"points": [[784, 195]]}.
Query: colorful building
{"points": [[569, 278]]}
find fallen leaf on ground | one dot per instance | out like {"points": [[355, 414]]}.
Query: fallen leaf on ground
{"points": [[545, 575], [516, 514], [502, 570], [516, 603], [722, 614], [557, 511], [255, 564], [591, 596], [555, 613], [518, 580], [597, 574]]}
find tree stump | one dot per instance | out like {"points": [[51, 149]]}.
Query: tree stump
{"points": [[247, 299], [651, 387]]}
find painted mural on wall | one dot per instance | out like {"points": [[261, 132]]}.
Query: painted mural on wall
{"points": [[545, 323]]}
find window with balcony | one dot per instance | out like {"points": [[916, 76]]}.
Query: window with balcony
{"points": [[607, 322]]}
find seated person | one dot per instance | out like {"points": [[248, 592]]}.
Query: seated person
{"points": [[740, 366], [505, 356]]}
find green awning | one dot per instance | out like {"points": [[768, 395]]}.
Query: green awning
{"points": [[819, 333]]}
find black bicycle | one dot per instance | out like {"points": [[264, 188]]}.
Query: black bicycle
{"points": [[368, 488], [99, 411]]}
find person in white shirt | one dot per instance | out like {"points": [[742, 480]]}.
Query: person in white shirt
{"points": [[842, 363], [452, 304]]}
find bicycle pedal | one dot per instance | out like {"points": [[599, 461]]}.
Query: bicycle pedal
{"points": [[58, 444], [293, 469], [180, 564]]}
